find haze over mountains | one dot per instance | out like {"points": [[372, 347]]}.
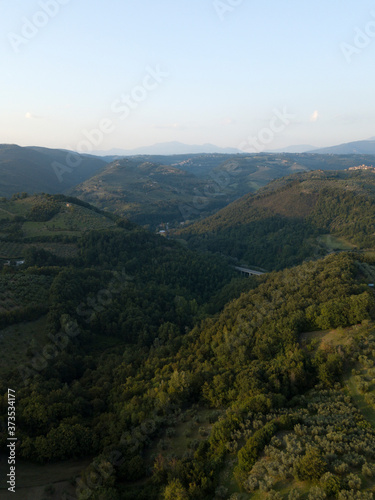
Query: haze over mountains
{"points": [[35, 169], [187, 272], [366, 147], [156, 189], [158, 349], [175, 148], [299, 148], [169, 148]]}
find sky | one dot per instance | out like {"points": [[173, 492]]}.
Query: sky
{"points": [[93, 75]]}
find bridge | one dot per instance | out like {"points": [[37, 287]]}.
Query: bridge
{"points": [[249, 272]]}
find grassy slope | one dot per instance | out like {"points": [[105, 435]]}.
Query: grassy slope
{"points": [[148, 189], [31, 170], [72, 220]]}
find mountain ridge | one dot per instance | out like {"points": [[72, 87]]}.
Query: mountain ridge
{"points": [[169, 148], [354, 147]]}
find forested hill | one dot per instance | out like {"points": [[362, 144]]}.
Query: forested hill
{"points": [[298, 217], [147, 193], [151, 190], [165, 409], [37, 170]]}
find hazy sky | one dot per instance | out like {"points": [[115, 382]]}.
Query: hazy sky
{"points": [[230, 72]]}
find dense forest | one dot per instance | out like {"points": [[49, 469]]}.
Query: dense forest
{"points": [[170, 376]]}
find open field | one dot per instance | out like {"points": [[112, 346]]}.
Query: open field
{"points": [[335, 243], [69, 221], [328, 339]]}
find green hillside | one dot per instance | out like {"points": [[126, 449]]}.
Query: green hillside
{"points": [[147, 193], [37, 170], [167, 402], [292, 219], [144, 369], [46, 223], [154, 190]]}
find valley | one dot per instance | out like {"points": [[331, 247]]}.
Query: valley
{"points": [[150, 367], [187, 250]]}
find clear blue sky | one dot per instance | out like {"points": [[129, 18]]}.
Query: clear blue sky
{"points": [[222, 70]]}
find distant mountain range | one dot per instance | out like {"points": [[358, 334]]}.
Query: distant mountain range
{"points": [[366, 147], [169, 148], [349, 148], [299, 148], [178, 148]]}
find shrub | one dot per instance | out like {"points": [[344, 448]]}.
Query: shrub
{"points": [[311, 466], [316, 493], [330, 483]]}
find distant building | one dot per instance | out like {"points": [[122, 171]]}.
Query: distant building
{"points": [[363, 167]]}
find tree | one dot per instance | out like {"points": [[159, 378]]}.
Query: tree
{"points": [[311, 466], [175, 491]]}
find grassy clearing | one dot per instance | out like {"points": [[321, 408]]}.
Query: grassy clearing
{"points": [[13, 208], [328, 339], [362, 372], [193, 427], [361, 381], [65, 250], [367, 411], [69, 221], [334, 243]]}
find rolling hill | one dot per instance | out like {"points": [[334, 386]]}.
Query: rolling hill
{"points": [[153, 190], [292, 219], [147, 193], [35, 170], [161, 373]]}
